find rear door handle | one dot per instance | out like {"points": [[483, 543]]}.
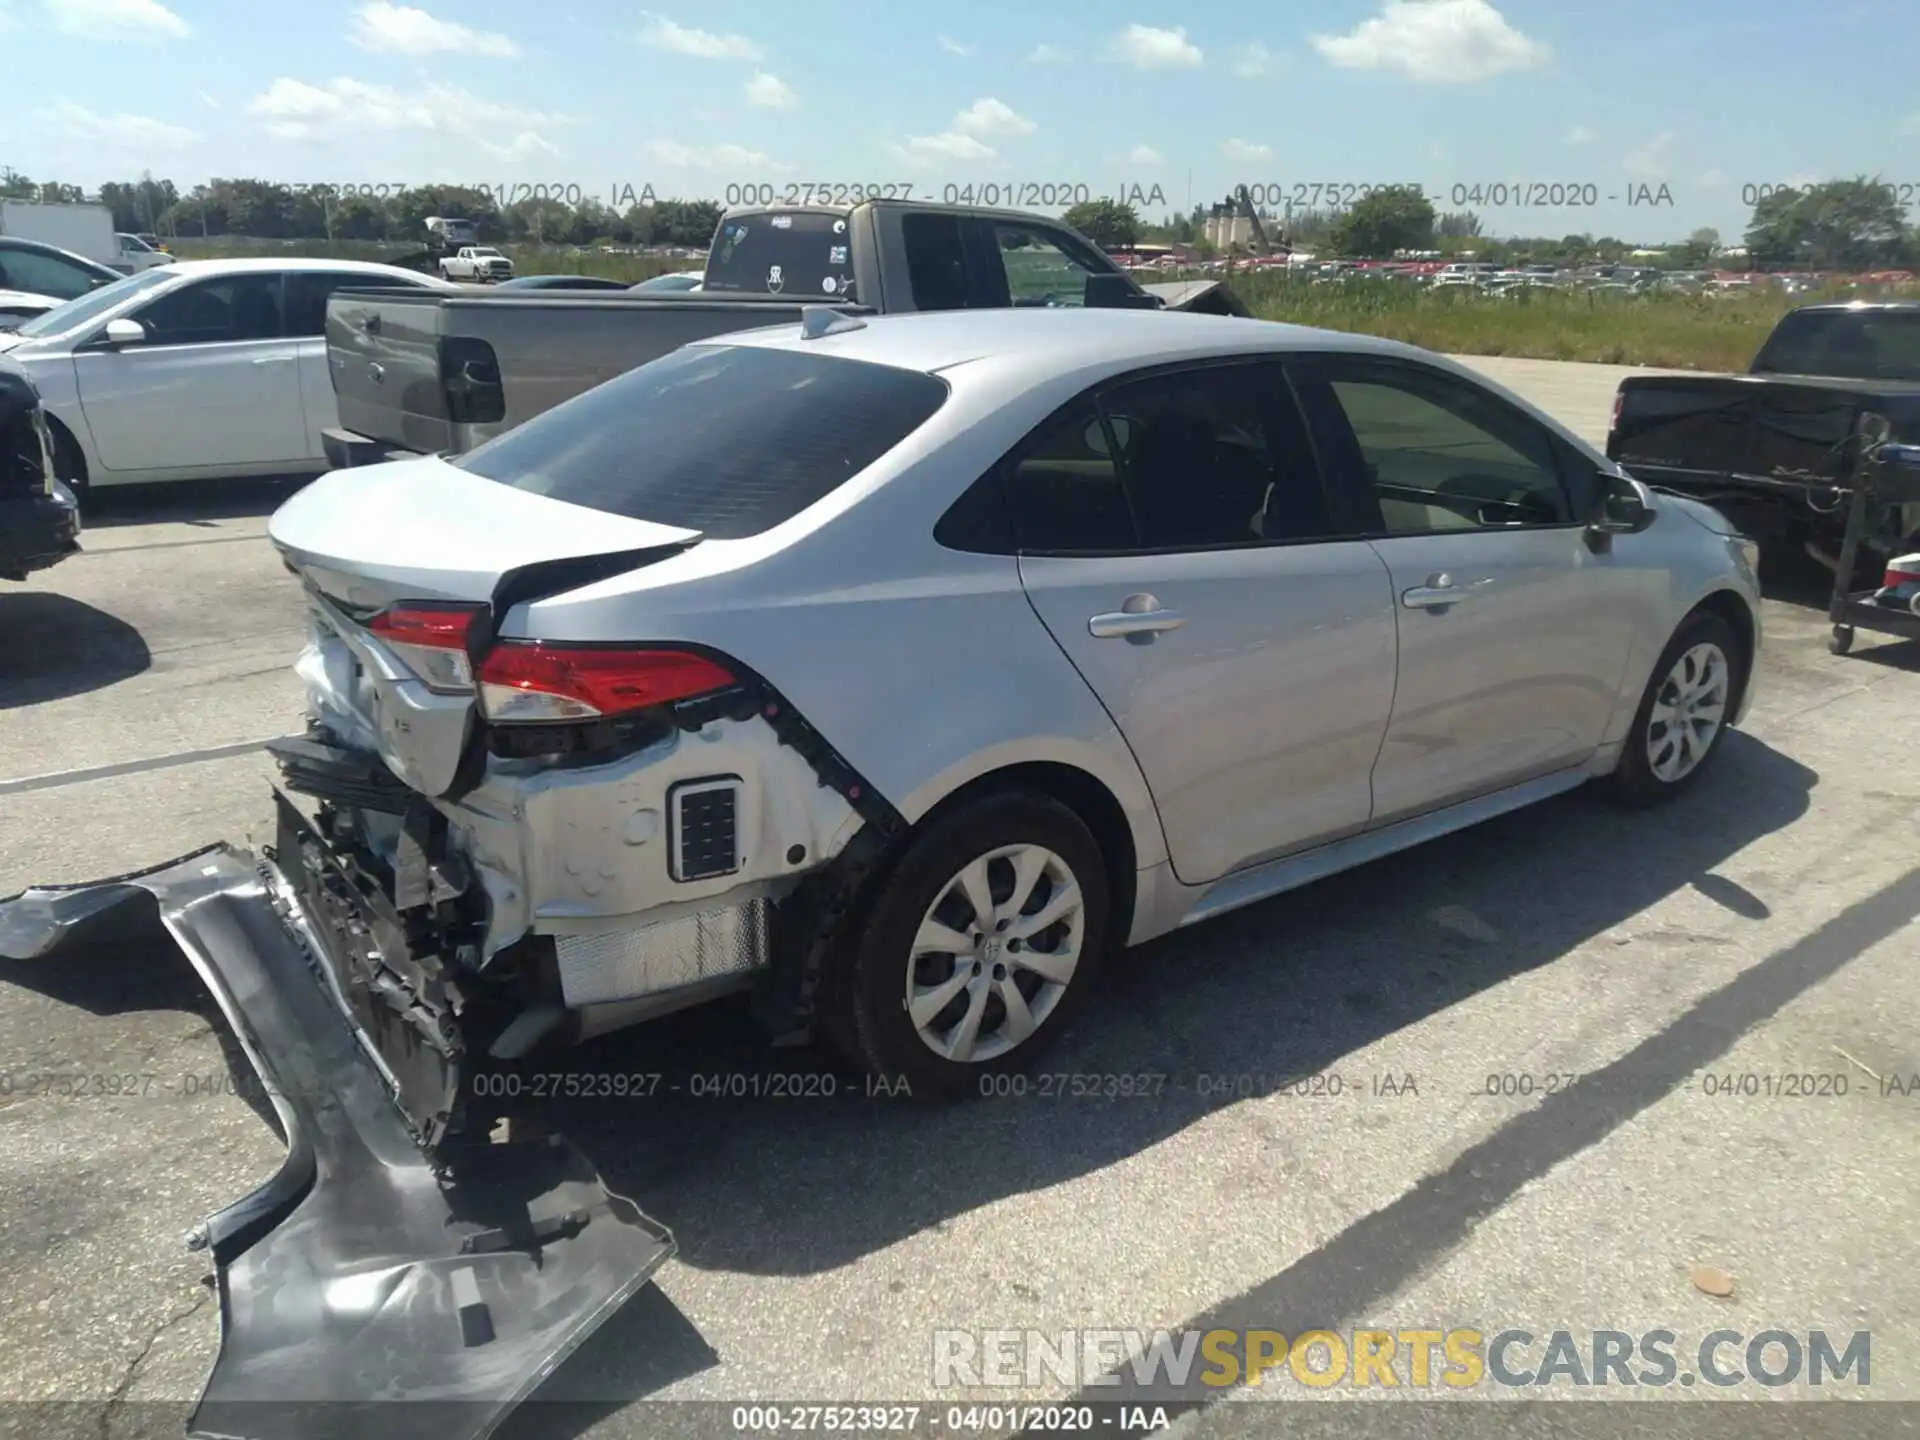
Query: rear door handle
{"points": [[1117, 624]]}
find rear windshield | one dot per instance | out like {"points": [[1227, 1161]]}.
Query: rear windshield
{"points": [[1851, 345], [726, 440], [782, 253]]}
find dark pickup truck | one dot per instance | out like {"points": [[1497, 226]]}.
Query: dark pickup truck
{"points": [[439, 372], [1774, 450]]}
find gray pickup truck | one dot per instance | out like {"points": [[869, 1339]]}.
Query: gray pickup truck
{"points": [[440, 373]]}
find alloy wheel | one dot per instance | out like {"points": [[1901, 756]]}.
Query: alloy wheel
{"points": [[1688, 712], [995, 953]]}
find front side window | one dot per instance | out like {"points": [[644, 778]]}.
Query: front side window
{"points": [[728, 440], [233, 307], [1440, 455], [75, 313]]}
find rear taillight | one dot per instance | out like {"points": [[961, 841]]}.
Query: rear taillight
{"points": [[434, 641], [470, 379], [535, 683], [1902, 570]]}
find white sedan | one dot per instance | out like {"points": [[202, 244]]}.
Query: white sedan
{"points": [[194, 370]]}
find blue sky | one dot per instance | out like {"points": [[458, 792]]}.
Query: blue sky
{"points": [[1599, 97]]}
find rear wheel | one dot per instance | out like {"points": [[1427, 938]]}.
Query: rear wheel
{"points": [[982, 942], [1684, 713]]}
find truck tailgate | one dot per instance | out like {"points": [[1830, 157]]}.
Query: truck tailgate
{"points": [[383, 356]]}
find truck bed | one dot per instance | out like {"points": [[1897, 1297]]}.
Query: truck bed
{"points": [[392, 350]]}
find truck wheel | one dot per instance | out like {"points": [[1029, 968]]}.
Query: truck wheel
{"points": [[1696, 684], [981, 943]]}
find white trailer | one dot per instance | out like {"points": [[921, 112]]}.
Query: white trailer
{"points": [[84, 229]]}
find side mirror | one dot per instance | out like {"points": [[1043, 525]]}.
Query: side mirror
{"points": [[123, 332], [1626, 508]]}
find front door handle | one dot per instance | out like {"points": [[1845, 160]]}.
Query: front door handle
{"points": [[1437, 594], [1150, 619], [273, 359]]}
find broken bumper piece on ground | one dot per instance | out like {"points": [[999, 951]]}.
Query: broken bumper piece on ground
{"points": [[365, 1289]]}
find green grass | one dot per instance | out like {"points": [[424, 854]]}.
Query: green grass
{"points": [[1677, 332]]}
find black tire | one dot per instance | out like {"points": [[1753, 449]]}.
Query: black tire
{"points": [[69, 465], [869, 990], [1634, 780]]}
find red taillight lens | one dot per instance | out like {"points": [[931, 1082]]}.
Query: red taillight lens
{"points": [[541, 683], [432, 640]]}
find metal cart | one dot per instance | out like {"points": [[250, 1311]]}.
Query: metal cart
{"points": [[1888, 475]]}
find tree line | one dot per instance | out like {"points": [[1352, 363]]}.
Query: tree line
{"points": [[269, 210], [1851, 224], [1855, 224]]}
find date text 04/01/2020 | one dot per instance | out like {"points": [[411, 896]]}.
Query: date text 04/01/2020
{"points": [[993, 192]]}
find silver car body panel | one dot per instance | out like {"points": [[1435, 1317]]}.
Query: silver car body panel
{"points": [[926, 669]]}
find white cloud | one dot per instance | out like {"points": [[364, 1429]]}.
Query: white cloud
{"points": [[1144, 154], [948, 145], [731, 159], [1910, 125], [954, 47], [1435, 42], [208, 100], [1712, 179], [1147, 48], [524, 146], [967, 133], [1246, 150], [1650, 159], [403, 30], [297, 110], [987, 117], [1252, 60], [660, 33], [1048, 55], [116, 19], [8, 20], [128, 132], [1579, 135], [770, 92]]}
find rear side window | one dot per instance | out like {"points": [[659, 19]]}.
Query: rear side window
{"points": [[1850, 345], [727, 440], [782, 253]]}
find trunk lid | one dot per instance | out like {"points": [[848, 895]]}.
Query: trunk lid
{"points": [[423, 530]]}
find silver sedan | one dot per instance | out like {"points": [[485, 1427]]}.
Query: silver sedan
{"points": [[901, 668]]}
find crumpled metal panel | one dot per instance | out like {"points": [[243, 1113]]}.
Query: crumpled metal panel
{"points": [[624, 964], [365, 1289]]}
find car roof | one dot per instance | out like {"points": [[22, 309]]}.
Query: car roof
{"points": [[291, 262], [1076, 339]]}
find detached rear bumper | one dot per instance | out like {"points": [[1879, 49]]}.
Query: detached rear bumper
{"points": [[365, 1289]]}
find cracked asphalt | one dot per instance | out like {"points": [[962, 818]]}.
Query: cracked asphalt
{"points": [[1437, 1173]]}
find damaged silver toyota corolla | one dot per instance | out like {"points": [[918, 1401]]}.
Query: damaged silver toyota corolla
{"points": [[884, 668]]}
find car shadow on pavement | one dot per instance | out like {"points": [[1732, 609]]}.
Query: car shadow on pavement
{"points": [[802, 1184], [53, 647], [188, 502]]}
